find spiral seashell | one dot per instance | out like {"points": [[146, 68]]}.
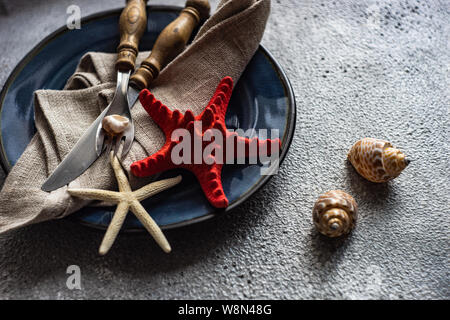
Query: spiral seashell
{"points": [[115, 124], [335, 213], [377, 160]]}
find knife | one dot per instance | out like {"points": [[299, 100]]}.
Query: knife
{"points": [[168, 45]]}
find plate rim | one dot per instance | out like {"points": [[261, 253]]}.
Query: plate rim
{"points": [[288, 135]]}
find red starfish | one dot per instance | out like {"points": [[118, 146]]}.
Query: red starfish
{"points": [[207, 172]]}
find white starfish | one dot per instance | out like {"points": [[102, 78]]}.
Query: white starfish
{"points": [[128, 200]]}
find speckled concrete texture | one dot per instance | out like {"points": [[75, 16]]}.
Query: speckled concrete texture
{"points": [[358, 68]]}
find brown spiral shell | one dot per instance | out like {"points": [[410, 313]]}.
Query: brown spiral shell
{"points": [[377, 160], [335, 213]]}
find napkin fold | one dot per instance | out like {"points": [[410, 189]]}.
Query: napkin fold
{"points": [[223, 47]]}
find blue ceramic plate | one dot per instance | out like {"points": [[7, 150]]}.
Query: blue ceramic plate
{"points": [[262, 99]]}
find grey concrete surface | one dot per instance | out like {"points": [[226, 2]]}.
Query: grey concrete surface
{"points": [[358, 68]]}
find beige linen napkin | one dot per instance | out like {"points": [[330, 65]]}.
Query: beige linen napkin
{"points": [[223, 47]]}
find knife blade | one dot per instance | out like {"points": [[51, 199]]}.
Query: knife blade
{"points": [[132, 95], [167, 46], [77, 161]]}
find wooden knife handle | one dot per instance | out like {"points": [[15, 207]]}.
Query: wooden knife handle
{"points": [[132, 24], [171, 42]]}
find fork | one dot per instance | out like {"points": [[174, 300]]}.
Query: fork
{"points": [[132, 24], [119, 105]]}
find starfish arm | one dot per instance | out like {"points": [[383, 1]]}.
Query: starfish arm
{"points": [[155, 187], [150, 225], [122, 181], [211, 185], [114, 227], [158, 162], [96, 194], [221, 98], [159, 112]]}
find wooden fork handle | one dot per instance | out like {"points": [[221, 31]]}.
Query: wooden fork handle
{"points": [[132, 23], [171, 42]]}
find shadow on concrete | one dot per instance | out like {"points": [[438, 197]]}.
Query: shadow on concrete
{"points": [[364, 190]]}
